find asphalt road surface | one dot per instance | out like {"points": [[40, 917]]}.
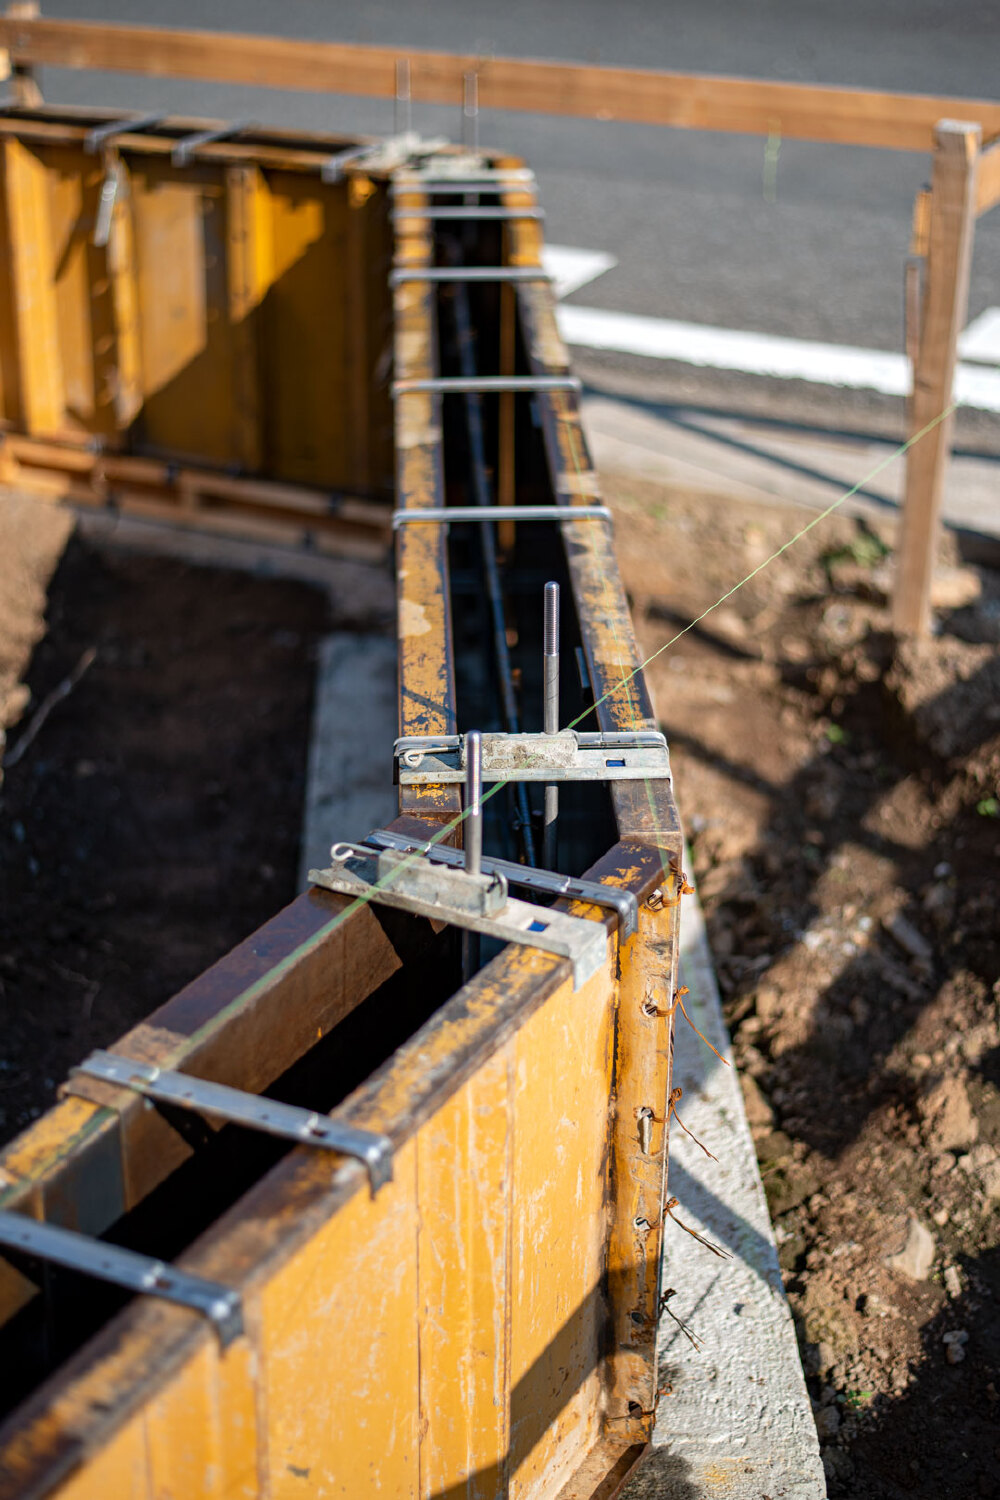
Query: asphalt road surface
{"points": [[686, 215]]}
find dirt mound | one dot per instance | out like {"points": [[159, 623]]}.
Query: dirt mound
{"points": [[843, 805]]}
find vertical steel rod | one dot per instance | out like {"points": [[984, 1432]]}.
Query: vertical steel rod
{"points": [[550, 715], [470, 110], [403, 109], [472, 838]]}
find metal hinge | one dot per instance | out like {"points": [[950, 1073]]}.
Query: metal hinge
{"points": [[434, 760], [475, 902], [125, 1268], [237, 1107], [547, 882]]}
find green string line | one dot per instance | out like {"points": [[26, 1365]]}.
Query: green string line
{"points": [[628, 676]]}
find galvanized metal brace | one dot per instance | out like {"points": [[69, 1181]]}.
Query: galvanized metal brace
{"points": [[474, 902], [189, 144], [101, 135], [289, 1121], [435, 760], [467, 273], [481, 513], [484, 385], [138, 1273], [547, 882]]}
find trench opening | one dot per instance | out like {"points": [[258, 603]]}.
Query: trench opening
{"points": [[226, 1163]]}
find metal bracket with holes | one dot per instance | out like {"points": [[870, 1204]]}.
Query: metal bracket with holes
{"points": [[240, 1108], [125, 1268], [433, 760], [477, 903], [547, 882]]}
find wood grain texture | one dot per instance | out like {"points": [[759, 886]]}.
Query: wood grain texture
{"points": [[699, 102]]}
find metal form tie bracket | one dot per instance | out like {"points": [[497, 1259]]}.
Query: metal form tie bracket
{"points": [[420, 179], [125, 1268], [468, 273], [484, 385], [547, 882], [435, 760], [476, 903], [103, 135], [436, 188], [481, 513], [237, 1107], [189, 144]]}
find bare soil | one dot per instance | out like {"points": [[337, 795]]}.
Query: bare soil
{"points": [[843, 806], [154, 820]]}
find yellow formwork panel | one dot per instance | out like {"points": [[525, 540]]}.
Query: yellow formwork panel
{"points": [[559, 1216], [464, 1181], [237, 318], [338, 1353], [119, 1469], [201, 1433]]}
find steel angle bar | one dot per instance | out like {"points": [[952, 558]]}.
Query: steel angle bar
{"points": [[189, 144], [485, 385], [470, 211], [545, 882], [459, 274], [566, 756], [102, 135], [475, 903], [237, 1107], [448, 513], [125, 1268], [332, 170], [416, 178]]}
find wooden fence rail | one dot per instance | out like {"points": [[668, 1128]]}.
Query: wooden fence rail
{"points": [[966, 178]]}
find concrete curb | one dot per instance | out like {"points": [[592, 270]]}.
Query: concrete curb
{"points": [[737, 1423]]}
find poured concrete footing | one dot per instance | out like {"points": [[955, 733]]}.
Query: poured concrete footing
{"points": [[735, 1421]]}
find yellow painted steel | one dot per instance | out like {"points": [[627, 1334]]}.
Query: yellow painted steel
{"points": [[235, 319], [442, 1338], [485, 1325]]}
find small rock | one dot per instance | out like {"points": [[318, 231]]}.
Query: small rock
{"points": [[759, 1112], [827, 1422], [940, 1217], [989, 1177], [955, 588], [954, 1345], [912, 942], [953, 1282], [917, 1255], [949, 1123]]}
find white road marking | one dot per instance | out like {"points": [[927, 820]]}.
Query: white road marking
{"points": [[981, 340], [764, 354], [572, 268]]}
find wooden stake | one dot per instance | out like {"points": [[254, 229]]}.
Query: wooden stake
{"points": [[946, 297]]}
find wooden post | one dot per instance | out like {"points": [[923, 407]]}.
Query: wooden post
{"points": [[23, 83], [946, 297]]}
